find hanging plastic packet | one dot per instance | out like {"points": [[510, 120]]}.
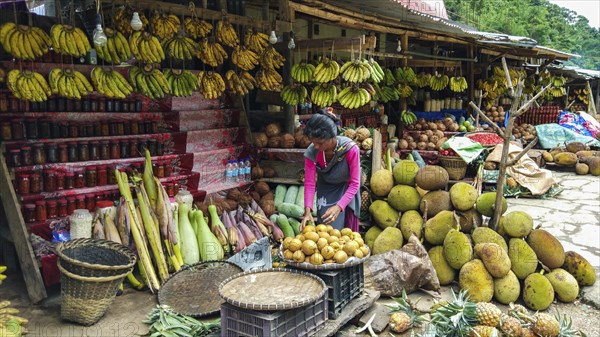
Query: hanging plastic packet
{"points": [[60, 231]]}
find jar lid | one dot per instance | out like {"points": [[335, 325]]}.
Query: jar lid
{"points": [[90, 195], [15, 151], [81, 213], [41, 203], [90, 168], [80, 197], [29, 206], [62, 201], [24, 175], [104, 203], [51, 203]]}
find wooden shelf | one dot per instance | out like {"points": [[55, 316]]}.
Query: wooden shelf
{"points": [[81, 139], [214, 188], [71, 165], [276, 180]]}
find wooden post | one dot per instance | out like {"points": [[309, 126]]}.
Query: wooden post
{"points": [[284, 14], [471, 72], [223, 5], [404, 45], [377, 152], [597, 96], [20, 237]]}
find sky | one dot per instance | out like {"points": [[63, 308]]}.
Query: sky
{"points": [[588, 8]]}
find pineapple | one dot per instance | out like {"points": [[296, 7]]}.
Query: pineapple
{"points": [[488, 314], [510, 326], [527, 332], [455, 318], [404, 316], [365, 201], [545, 325], [483, 331]]}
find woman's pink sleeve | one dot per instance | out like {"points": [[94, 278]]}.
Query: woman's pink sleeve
{"points": [[310, 172], [353, 159]]}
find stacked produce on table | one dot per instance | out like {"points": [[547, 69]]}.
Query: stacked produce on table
{"points": [[424, 135], [362, 136], [576, 155], [11, 325], [273, 137], [518, 260]]}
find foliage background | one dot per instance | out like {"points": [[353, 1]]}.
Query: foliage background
{"points": [[549, 24]]}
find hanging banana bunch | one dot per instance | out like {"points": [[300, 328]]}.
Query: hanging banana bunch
{"points": [[122, 19], [377, 74], [28, 85], [356, 71], [303, 72], [244, 58], [24, 42], [405, 75], [404, 90], [256, 41], [226, 33], [180, 46], [211, 53], [327, 71], [69, 40], [146, 47], [197, 28], [164, 25], [210, 84], [149, 81], [69, 83], [353, 97], [422, 80], [116, 50], [386, 93], [110, 83], [388, 77], [269, 79], [324, 94], [239, 84], [294, 94], [438, 82], [271, 58], [182, 83], [458, 84]]}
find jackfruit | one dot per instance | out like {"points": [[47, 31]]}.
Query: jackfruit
{"points": [[594, 165], [389, 239], [474, 278], [564, 284], [575, 147], [371, 235], [565, 159], [404, 198], [486, 234], [384, 215], [547, 156], [485, 204], [580, 268], [457, 249], [432, 177], [522, 258], [435, 202], [587, 153], [382, 182], [547, 248], [405, 172], [469, 219], [411, 222], [538, 293], [507, 289], [463, 196], [437, 227], [517, 224], [494, 258], [445, 273], [582, 169]]}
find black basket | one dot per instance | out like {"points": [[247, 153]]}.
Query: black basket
{"points": [[95, 258]]}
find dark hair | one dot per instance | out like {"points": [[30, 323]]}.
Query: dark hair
{"points": [[322, 125]]}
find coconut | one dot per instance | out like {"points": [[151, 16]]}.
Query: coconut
{"points": [[272, 129], [261, 140]]}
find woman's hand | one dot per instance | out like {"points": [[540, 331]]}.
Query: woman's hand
{"points": [[331, 214], [307, 218]]}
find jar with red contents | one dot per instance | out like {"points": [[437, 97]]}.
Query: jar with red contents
{"points": [[49, 181], [60, 180], [168, 168], [71, 205], [52, 209], [14, 157], [133, 150], [63, 153], [91, 176], [62, 207], [40, 210], [35, 183], [102, 175], [80, 202], [23, 183], [90, 201], [115, 149], [26, 156], [69, 180], [79, 179], [160, 169], [29, 213]]}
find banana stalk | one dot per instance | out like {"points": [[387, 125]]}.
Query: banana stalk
{"points": [[149, 183], [136, 230], [165, 220], [151, 231], [177, 246]]}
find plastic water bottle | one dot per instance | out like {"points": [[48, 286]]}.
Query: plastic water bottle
{"points": [[248, 170], [235, 171], [228, 172]]}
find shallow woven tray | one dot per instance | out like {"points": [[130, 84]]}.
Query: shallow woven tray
{"points": [[351, 262], [272, 289], [194, 290]]}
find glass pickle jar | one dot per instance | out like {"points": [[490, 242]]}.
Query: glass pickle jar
{"points": [[62, 207], [105, 128], [151, 144], [94, 150], [124, 144], [133, 148], [40, 211], [79, 179], [6, 131], [52, 153], [102, 175], [49, 181], [135, 129], [112, 179], [17, 129], [54, 130], [44, 129], [52, 209], [91, 176], [14, 157], [39, 155], [72, 150], [60, 180], [115, 149], [23, 184], [90, 201], [29, 213], [80, 202], [84, 151], [69, 180], [73, 130], [35, 183], [71, 205], [64, 130], [104, 150], [63, 153], [141, 147]]}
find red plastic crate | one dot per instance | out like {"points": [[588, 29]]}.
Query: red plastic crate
{"points": [[304, 321], [540, 115]]}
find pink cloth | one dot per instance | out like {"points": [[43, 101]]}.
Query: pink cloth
{"points": [[310, 173]]}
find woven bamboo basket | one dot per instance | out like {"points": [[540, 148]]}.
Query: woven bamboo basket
{"points": [[84, 299], [95, 258], [455, 166]]}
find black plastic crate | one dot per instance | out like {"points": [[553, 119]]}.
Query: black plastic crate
{"points": [[344, 285], [304, 321]]}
